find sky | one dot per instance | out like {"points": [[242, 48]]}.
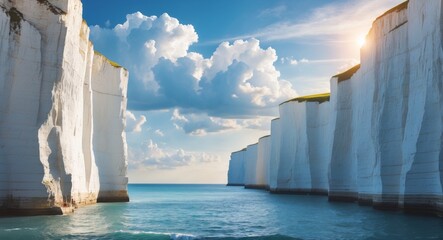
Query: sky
{"points": [[206, 76]]}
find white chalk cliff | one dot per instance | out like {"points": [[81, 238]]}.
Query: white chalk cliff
{"points": [[251, 155], [236, 173], [263, 161], [62, 106], [378, 138]]}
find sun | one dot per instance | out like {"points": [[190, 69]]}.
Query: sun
{"points": [[361, 41]]}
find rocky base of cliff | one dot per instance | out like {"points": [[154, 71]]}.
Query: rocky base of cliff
{"points": [[113, 196]]}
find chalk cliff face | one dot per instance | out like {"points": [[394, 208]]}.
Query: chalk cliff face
{"points": [[62, 108], [320, 134], [274, 161], [304, 143], [378, 139], [343, 168], [236, 173], [404, 62], [109, 86], [287, 147], [263, 161], [251, 155]]}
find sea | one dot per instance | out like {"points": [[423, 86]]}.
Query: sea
{"points": [[220, 212]]}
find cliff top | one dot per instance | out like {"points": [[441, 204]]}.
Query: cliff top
{"points": [[320, 98], [265, 136], [346, 75], [397, 8], [244, 149], [251, 145], [114, 64]]}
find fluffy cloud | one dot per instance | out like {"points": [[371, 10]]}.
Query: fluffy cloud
{"points": [[239, 79], [200, 124], [155, 157], [140, 42], [133, 124]]}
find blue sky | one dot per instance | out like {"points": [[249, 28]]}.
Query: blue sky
{"points": [[206, 77]]}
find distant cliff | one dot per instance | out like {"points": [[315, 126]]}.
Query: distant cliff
{"points": [[378, 138], [62, 140]]}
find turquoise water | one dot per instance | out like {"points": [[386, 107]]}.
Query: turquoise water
{"points": [[219, 212]]}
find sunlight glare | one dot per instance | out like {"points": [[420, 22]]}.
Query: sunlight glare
{"points": [[361, 41]]}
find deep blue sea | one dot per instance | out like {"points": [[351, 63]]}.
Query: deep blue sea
{"points": [[220, 212]]}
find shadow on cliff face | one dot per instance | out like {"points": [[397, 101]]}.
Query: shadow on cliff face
{"points": [[60, 186]]}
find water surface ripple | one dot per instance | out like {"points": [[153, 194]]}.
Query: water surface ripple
{"points": [[219, 212]]}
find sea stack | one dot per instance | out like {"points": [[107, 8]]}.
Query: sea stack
{"points": [[62, 112], [378, 138]]}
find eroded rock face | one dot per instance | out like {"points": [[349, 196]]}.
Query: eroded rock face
{"points": [[378, 139], [51, 89]]}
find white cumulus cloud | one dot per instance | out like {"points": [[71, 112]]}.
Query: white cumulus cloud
{"points": [[153, 156], [200, 124], [239, 79]]}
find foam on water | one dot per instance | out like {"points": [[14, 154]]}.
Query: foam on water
{"points": [[182, 237], [18, 229], [172, 236]]}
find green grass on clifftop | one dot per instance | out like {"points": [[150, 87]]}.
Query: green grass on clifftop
{"points": [[347, 74], [320, 98]]}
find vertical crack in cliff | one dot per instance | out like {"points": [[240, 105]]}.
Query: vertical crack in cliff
{"points": [[16, 18]]}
